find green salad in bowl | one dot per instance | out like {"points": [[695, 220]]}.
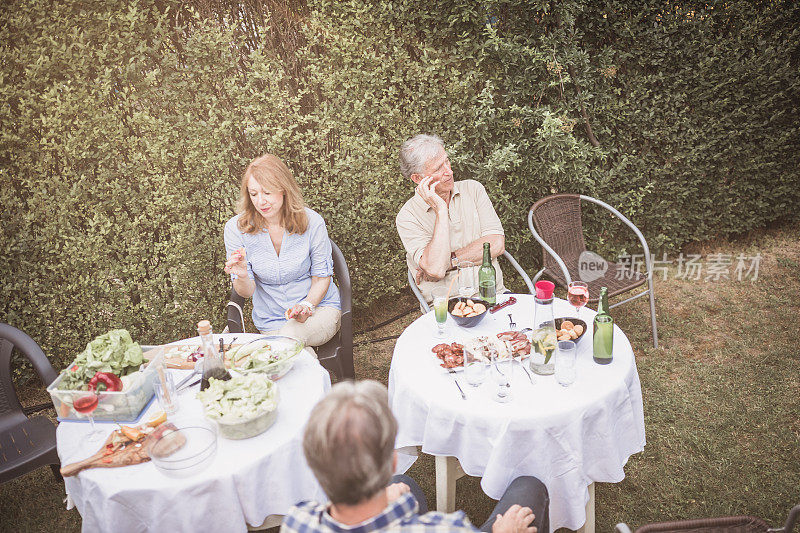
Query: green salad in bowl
{"points": [[271, 355], [243, 406]]}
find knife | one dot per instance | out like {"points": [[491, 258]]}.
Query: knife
{"points": [[190, 385], [511, 301]]}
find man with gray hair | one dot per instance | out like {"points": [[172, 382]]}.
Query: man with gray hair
{"points": [[446, 221], [349, 445]]}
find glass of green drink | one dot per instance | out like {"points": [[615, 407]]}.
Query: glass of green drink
{"points": [[440, 309]]}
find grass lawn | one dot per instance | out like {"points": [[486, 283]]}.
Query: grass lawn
{"points": [[721, 401]]}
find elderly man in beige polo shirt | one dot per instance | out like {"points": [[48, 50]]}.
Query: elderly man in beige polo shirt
{"points": [[446, 221]]}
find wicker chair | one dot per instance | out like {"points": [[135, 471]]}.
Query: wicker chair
{"points": [[424, 307], [25, 443], [556, 223], [724, 524], [336, 355]]}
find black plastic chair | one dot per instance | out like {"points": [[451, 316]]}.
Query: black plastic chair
{"points": [[336, 355], [25, 443]]}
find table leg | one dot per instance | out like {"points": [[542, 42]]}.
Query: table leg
{"points": [[588, 526], [448, 470]]}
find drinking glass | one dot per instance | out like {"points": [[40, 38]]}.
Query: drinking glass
{"points": [[501, 370], [578, 295], [86, 404], [166, 394], [440, 309], [466, 279], [565, 363], [474, 367]]}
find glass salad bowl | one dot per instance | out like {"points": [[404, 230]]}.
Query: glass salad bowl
{"points": [[243, 406], [271, 355]]}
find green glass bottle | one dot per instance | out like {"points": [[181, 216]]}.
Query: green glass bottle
{"points": [[487, 277], [603, 335]]}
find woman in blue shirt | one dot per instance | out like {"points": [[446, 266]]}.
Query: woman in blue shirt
{"points": [[280, 255]]}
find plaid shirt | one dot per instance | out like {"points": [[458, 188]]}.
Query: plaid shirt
{"points": [[400, 515]]}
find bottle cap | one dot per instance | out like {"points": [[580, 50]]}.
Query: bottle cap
{"points": [[544, 289], [204, 327]]}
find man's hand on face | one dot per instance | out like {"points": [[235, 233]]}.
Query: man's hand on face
{"points": [[395, 490], [427, 190], [517, 519]]}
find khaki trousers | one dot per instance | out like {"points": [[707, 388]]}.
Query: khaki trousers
{"points": [[318, 329]]}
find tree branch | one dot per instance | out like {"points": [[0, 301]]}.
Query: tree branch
{"points": [[592, 138]]}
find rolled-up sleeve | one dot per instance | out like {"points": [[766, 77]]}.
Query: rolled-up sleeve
{"points": [[320, 249], [414, 235], [234, 241], [489, 221]]}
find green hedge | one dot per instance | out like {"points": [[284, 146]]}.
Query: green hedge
{"points": [[125, 126]]}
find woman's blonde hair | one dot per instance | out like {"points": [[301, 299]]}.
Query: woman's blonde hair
{"points": [[274, 176]]}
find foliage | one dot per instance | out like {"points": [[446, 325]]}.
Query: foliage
{"points": [[125, 127]]}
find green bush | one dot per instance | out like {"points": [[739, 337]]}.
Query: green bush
{"points": [[125, 127]]}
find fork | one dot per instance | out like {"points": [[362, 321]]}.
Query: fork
{"points": [[463, 396], [511, 324], [521, 364]]}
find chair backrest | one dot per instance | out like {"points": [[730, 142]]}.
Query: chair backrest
{"points": [[11, 412], [558, 221], [337, 354], [342, 274]]}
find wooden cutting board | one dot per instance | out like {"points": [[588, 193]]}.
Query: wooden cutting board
{"points": [[119, 451], [175, 355]]}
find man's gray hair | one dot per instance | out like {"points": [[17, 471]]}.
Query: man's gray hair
{"points": [[349, 441], [417, 151]]}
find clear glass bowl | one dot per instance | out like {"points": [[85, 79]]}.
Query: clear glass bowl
{"points": [[244, 429], [185, 451], [288, 347], [234, 427]]}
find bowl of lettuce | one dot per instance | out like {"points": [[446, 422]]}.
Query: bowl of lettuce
{"points": [[113, 352], [243, 406], [271, 355]]}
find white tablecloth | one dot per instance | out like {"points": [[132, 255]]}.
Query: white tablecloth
{"points": [[248, 480], [568, 437]]}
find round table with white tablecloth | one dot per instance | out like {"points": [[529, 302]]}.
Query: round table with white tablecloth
{"points": [[568, 437], [247, 481]]}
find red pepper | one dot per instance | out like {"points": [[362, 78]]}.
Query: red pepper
{"points": [[105, 381]]}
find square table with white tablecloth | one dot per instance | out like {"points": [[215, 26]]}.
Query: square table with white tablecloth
{"points": [[568, 437], [247, 481]]}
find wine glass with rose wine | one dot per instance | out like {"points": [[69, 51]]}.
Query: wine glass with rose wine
{"points": [[86, 404], [578, 295]]}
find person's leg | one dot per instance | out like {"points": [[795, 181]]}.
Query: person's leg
{"points": [[416, 490], [318, 329], [526, 491]]}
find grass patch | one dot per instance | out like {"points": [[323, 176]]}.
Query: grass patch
{"points": [[721, 401]]}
